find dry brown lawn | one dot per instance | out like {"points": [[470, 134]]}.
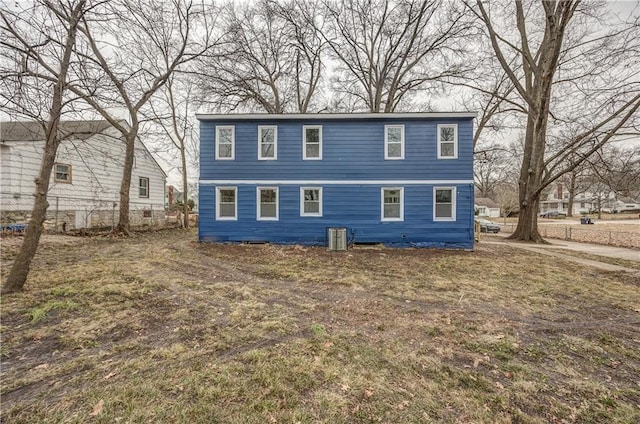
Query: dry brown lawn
{"points": [[160, 328]]}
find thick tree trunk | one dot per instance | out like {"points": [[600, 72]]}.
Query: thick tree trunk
{"points": [[125, 186], [20, 270], [572, 193]]}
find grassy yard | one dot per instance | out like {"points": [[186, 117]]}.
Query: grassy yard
{"points": [[159, 328]]}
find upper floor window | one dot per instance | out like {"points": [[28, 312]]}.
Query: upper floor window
{"points": [[312, 142], [311, 201], [226, 203], [62, 173], [143, 187], [394, 141], [448, 141], [444, 204], [392, 204], [267, 203], [267, 143], [225, 142]]}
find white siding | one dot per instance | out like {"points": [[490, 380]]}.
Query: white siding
{"points": [[95, 181]]}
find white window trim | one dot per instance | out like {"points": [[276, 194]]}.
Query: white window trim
{"points": [[226, 218], [304, 141], [275, 141], [382, 218], [258, 217], [454, 196], [233, 141], [320, 200], [455, 141], [386, 142]]}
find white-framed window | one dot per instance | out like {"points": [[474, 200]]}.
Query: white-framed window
{"points": [[267, 203], [448, 141], [267, 142], [143, 187], [392, 200], [312, 142], [310, 201], [62, 173], [444, 203], [226, 203], [225, 142], [394, 142]]}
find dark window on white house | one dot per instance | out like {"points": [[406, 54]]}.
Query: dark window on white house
{"points": [[62, 173], [143, 187]]}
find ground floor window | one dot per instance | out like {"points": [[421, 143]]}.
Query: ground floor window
{"points": [[143, 187], [392, 204], [444, 205], [227, 203], [62, 173], [267, 203], [311, 201]]}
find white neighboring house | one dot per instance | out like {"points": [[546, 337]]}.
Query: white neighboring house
{"points": [[487, 207], [84, 190], [587, 201]]}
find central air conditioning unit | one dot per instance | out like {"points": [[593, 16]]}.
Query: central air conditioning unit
{"points": [[337, 239]]}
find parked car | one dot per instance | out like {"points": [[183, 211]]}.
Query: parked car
{"points": [[553, 214], [487, 226]]}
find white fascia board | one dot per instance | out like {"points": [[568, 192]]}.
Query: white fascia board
{"points": [[328, 116]]}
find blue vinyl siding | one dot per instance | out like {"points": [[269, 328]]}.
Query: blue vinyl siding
{"points": [[353, 150]]}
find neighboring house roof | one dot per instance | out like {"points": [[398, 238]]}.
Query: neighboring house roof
{"points": [[34, 131], [360, 115], [626, 200], [486, 202]]}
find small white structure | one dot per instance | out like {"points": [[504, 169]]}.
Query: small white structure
{"points": [[84, 190], [487, 207]]}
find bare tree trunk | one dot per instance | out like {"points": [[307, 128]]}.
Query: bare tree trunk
{"points": [[20, 269], [125, 185], [185, 187], [572, 193]]}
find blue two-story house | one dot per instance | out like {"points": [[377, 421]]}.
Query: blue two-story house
{"points": [[402, 179]]}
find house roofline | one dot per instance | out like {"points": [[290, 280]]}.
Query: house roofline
{"points": [[323, 116]]}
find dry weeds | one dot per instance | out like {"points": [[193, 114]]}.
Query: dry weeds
{"points": [[159, 328]]}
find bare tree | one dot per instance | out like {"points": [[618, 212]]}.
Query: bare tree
{"points": [[494, 165], [32, 48], [387, 50], [618, 168], [173, 110], [577, 85], [270, 60]]}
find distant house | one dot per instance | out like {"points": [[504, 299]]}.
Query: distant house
{"points": [[487, 207], [85, 184], [623, 204], [589, 198], [401, 179]]}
